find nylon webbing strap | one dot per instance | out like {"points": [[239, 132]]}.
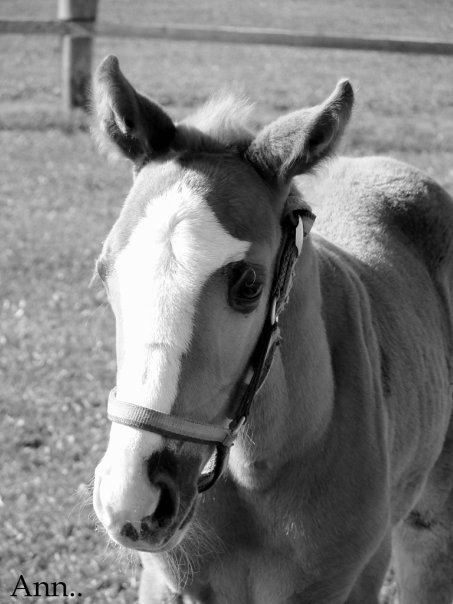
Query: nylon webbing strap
{"points": [[172, 426]]}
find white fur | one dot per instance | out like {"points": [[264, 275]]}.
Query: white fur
{"points": [[154, 287]]}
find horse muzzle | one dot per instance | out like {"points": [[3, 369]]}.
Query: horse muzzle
{"points": [[147, 506]]}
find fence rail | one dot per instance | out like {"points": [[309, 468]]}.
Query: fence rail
{"points": [[53, 27], [77, 26], [231, 35]]}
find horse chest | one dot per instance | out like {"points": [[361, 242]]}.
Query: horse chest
{"points": [[248, 577]]}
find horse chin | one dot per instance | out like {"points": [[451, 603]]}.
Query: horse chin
{"points": [[173, 541]]}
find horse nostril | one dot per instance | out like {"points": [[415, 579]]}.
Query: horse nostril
{"points": [[167, 506], [161, 470], [164, 513]]}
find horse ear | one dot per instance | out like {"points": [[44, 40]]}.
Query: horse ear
{"points": [[295, 143], [134, 123]]}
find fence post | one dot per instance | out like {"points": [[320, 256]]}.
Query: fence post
{"points": [[77, 52]]}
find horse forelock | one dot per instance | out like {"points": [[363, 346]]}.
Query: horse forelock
{"points": [[223, 122]]}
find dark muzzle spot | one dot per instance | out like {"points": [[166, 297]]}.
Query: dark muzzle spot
{"points": [[162, 462], [164, 514], [167, 506], [417, 520], [129, 532]]}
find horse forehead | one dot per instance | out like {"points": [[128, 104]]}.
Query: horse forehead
{"points": [[168, 223], [238, 198]]}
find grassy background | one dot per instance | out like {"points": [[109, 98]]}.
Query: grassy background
{"points": [[58, 199]]}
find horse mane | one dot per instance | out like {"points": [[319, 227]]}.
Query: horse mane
{"points": [[221, 124]]}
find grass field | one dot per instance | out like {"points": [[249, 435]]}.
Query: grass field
{"points": [[58, 199]]}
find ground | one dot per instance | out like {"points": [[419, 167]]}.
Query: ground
{"points": [[58, 199]]}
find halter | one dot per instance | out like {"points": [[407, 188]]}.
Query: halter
{"points": [[296, 225]]}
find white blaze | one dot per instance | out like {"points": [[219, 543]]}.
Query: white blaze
{"points": [[154, 287]]}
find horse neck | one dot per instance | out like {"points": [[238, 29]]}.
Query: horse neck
{"points": [[292, 411]]}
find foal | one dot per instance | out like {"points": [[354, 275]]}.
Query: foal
{"points": [[344, 385]]}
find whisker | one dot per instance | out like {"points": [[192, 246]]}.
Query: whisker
{"points": [[200, 541]]}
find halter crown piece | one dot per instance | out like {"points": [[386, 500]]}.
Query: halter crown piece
{"points": [[296, 226]]}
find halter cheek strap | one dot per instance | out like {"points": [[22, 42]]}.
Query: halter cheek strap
{"points": [[296, 226]]}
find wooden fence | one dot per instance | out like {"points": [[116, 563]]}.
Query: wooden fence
{"points": [[77, 25]]}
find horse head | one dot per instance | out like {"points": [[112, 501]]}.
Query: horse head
{"points": [[189, 268]]}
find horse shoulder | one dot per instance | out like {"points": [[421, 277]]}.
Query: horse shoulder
{"points": [[390, 269], [398, 223]]}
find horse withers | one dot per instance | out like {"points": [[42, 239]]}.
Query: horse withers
{"points": [[326, 358]]}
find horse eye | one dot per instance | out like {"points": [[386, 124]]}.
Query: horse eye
{"points": [[245, 288]]}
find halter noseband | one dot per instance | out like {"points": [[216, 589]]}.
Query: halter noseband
{"points": [[295, 226]]}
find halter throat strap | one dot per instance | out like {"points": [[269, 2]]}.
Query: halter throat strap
{"points": [[296, 226]]}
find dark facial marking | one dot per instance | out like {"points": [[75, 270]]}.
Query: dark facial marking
{"points": [[240, 199], [129, 532], [420, 521]]}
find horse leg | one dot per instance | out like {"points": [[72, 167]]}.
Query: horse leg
{"points": [[423, 541]]}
